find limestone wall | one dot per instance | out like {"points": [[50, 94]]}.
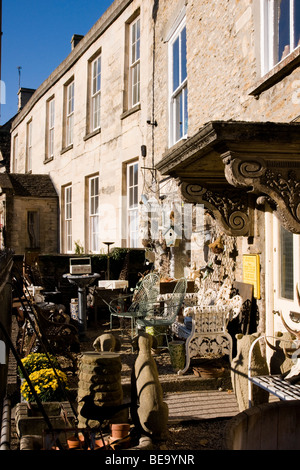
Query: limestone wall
{"points": [[48, 229]]}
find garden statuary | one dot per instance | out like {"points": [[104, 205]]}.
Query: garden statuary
{"points": [[100, 376], [150, 412], [280, 362], [107, 342], [293, 375], [239, 371]]}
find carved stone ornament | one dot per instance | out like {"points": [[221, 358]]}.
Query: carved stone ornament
{"points": [[239, 160], [279, 181], [231, 208]]}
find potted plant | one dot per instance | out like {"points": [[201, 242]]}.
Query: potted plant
{"points": [[48, 384], [37, 361]]}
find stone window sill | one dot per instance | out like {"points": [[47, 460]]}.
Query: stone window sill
{"points": [[66, 149], [92, 134], [281, 70], [130, 111], [48, 159]]}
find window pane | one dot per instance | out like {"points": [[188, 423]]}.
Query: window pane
{"points": [[70, 130], [130, 198], [183, 55], [132, 195], [133, 228], [283, 29], [33, 228], [51, 142], [180, 114], [70, 115], [138, 41], [178, 104], [135, 63], [176, 64], [133, 58], [135, 41], [287, 264], [135, 176], [94, 214], [185, 112], [296, 23], [51, 108], [96, 111], [94, 233], [135, 73], [71, 98], [51, 117], [96, 76], [135, 196], [130, 175], [68, 218]]}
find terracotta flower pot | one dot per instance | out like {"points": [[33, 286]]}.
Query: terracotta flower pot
{"points": [[99, 442], [73, 442], [119, 431]]}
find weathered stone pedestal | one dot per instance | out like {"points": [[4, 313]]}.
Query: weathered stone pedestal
{"points": [[100, 377]]}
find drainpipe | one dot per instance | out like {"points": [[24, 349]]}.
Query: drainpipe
{"points": [[5, 425]]}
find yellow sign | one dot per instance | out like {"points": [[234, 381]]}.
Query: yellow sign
{"points": [[251, 273]]}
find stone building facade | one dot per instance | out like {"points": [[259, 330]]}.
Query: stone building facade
{"points": [[28, 213], [85, 126], [236, 151], [197, 139]]}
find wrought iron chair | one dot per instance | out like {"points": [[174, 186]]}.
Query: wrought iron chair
{"points": [[146, 292], [161, 315], [209, 335]]}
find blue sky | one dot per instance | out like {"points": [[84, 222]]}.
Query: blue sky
{"points": [[36, 37]]}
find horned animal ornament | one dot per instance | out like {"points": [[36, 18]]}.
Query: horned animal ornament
{"points": [[293, 375]]}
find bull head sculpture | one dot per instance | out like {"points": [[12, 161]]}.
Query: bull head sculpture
{"points": [[293, 375]]}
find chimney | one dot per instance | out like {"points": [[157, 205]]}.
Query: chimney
{"points": [[24, 96], [75, 40]]}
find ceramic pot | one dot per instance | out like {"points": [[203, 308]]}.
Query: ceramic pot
{"points": [[99, 442], [73, 442], [177, 354], [119, 431]]}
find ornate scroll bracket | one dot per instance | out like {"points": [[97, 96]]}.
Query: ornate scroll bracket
{"points": [[230, 207], [278, 180]]}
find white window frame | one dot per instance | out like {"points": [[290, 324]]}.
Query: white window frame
{"points": [[133, 204], [68, 219], [29, 146], [269, 34], [95, 93], [70, 113], [94, 218], [178, 115], [50, 129], [285, 301], [134, 61]]}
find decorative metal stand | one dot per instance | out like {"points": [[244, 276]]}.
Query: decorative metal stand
{"points": [[108, 266], [82, 281]]}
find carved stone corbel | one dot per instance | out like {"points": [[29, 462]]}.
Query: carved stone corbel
{"points": [[230, 207], [279, 180]]}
